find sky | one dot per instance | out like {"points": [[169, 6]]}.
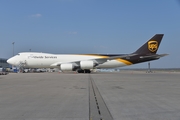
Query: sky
{"points": [[90, 26]]}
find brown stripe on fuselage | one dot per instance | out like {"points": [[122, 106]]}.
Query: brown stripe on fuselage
{"points": [[124, 61]]}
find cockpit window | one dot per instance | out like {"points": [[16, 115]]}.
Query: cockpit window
{"points": [[18, 54]]}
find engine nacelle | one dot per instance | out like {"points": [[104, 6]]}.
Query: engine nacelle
{"points": [[87, 64], [67, 67]]}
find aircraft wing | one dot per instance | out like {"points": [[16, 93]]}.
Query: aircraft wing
{"points": [[96, 60], [102, 60]]}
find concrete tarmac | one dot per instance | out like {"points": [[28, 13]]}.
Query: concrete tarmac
{"points": [[126, 95]]}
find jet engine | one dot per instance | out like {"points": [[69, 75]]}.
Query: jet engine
{"points": [[67, 67], [87, 64]]}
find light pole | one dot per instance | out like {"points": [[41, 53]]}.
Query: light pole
{"points": [[13, 48], [149, 67], [30, 50]]}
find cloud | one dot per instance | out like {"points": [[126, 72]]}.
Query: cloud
{"points": [[36, 15]]}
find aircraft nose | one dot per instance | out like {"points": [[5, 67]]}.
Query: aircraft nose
{"points": [[10, 61]]}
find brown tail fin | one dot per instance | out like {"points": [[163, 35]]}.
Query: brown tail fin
{"points": [[151, 46]]}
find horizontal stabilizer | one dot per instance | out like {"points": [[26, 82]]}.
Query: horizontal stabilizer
{"points": [[154, 56]]}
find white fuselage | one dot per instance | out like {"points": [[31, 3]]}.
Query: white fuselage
{"points": [[85, 62], [45, 60]]}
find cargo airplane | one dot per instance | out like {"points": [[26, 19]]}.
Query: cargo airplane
{"points": [[84, 63]]}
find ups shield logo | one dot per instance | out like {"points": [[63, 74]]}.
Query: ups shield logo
{"points": [[152, 46]]}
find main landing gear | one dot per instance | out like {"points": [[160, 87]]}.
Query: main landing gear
{"points": [[83, 71]]}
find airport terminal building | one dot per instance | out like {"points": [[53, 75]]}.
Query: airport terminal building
{"points": [[3, 63]]}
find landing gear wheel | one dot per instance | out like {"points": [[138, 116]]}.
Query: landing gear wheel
{"points": [[84, 71], [87, 71]]}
